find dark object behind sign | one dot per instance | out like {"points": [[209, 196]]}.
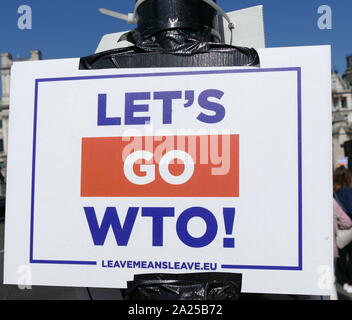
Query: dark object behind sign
{"points": [[173, 33], [189, 286]]}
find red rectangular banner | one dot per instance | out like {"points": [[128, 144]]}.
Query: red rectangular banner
{"points": [[161, 166]]}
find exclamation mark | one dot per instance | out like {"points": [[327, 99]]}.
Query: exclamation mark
{"points": [[229, 220]]}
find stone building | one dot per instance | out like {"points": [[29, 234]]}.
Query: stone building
{"points": [[6, 61], [341, 110]]}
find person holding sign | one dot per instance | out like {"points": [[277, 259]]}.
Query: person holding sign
{"points": [[343, 189], [343, 223]]}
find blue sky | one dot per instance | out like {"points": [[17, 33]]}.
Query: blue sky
{"points": [[73, 28]]}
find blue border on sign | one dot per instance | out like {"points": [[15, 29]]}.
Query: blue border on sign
{"points": [[299, 267]]}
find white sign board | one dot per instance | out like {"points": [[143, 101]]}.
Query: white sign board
{"points": [[249, 31], [244, 195], [249, 28]]}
